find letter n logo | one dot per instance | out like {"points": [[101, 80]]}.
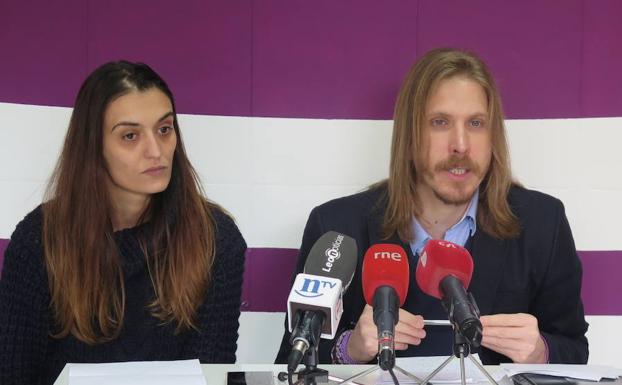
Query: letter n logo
{"points": [[310, 288]]}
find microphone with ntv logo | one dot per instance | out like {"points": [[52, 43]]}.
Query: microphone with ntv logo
{"points": [[314, 305]]}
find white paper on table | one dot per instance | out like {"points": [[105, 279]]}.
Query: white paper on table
{"points": [[583, 372], [137, 373], [423, 366]]}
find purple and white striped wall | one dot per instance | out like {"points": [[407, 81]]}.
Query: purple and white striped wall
{"points": [[323, 59], [287, 103]]}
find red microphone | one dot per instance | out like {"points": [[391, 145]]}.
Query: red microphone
{"points": [[440, 259], [444, 271], [385, 286]]}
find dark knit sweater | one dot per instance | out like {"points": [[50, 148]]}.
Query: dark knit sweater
{"points": [[28, 355]]}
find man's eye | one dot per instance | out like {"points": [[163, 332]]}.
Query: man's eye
{"points": [[439, 122], [477, 123]]}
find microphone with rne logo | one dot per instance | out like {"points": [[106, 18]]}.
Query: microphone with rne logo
{"points": [[444, 271], [385, 286], [314, 305]]}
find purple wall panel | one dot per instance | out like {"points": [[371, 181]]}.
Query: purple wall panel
{"points": [[43, 48], [201, 48], [268, 271], [321, 59], [267, 278], [602, 48], [532, 47], [601, 282], [327, 59]]}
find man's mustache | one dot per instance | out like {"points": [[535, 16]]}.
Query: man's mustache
{"points": [[454, 161]]}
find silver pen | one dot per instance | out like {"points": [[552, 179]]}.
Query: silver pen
{"points": [[436, 322]]}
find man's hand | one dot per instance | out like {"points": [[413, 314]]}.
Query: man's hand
{"points": [[363, 343], [516, 336]]}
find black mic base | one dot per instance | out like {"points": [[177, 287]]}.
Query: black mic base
{"points": [[310, 375], [307, 376]]}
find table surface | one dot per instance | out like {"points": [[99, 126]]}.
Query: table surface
{"points": [[216, 374]]}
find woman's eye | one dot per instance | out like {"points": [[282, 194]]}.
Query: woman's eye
{"points": [[439, 122], [129, 136], [165, 130]]}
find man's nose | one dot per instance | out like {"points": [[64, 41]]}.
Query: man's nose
{"points": [[459, 141]]}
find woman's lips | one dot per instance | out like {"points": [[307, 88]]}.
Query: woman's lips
{"points": [[155, 171]]}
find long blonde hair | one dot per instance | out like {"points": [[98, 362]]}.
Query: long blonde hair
{"points": [[494, 215]]}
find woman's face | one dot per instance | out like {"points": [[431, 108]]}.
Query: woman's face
{"points": [[139, 142]]}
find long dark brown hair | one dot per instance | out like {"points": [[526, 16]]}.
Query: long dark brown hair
{"points": [[81, 256], [493, 213]]}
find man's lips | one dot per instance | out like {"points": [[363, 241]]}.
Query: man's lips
{"points": [[457, 173]]}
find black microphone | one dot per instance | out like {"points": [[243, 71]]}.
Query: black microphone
{"points": [[444, 271], [462, 310], [314, 305]]}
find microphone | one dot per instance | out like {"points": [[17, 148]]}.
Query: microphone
{"points": [[315, 304], [385, 286], [444, 271]]}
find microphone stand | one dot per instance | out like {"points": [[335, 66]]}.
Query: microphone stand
{"points": [[311, 374], [461, 350], [379, 367]]}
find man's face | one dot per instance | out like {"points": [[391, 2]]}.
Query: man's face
{"points": [[456, 144]]}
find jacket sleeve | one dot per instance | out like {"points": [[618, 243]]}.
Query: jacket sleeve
{"points": [[557, 305], [24, 310], [218, 317]]}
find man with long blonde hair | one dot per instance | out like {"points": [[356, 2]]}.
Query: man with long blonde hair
{"points": [[450, 179]]}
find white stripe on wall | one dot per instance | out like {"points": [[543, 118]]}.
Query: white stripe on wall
{"points": [[270, 172]]}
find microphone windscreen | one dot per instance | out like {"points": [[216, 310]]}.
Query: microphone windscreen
{"points": [[333, 255], [385, 265], [440, 259]]}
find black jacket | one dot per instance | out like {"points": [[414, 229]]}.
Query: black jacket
{"points": [[537, 273]]}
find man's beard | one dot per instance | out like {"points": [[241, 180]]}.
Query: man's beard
{"points": [[454, 199], [459, 194]]}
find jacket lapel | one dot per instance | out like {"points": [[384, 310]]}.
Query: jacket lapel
{"points": [[489, 255], [374, 224]]}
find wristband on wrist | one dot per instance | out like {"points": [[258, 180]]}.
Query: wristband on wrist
{"points": [[340, 349]]}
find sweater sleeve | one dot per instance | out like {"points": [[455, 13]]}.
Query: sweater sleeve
{"points": [[24, 306], [218, 316]]}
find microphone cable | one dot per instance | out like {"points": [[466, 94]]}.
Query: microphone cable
{"points": [[393, 376]]}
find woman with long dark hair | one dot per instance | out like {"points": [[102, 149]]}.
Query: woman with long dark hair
{"points": [[126, 259]]}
